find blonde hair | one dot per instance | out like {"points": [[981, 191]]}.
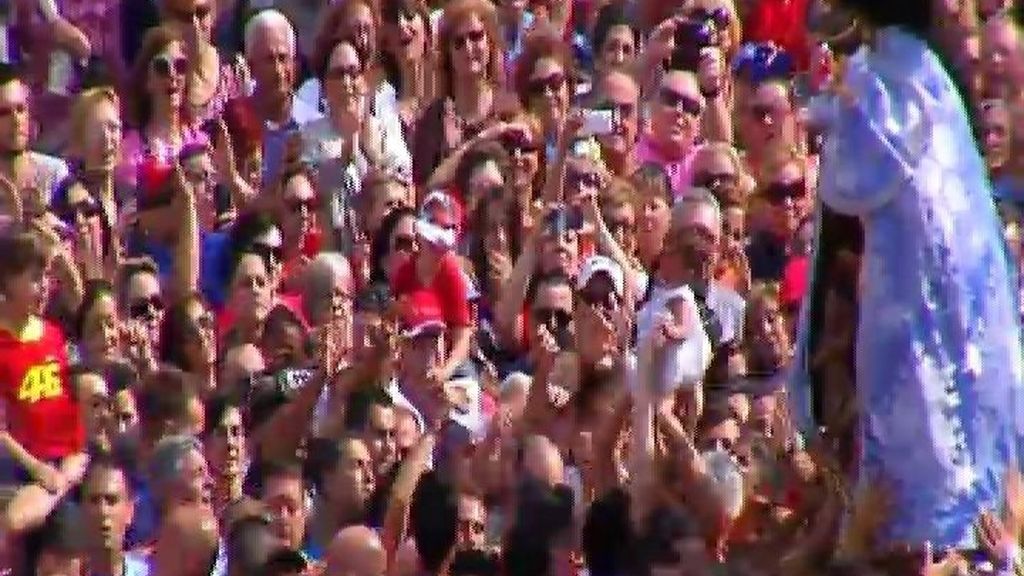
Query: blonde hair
{"points": [[746, 184], [86, 102]]}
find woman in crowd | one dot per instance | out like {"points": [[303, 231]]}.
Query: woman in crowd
{"points": [[470, 91], [161, 129], [407, 47]]}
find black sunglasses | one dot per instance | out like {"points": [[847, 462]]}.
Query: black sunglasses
{"points": [[553, 82], [342, 72], [296, 205], [146, 307], [553, 318], [518, 142], [673, 99], [471, 37], [165, 66], [778, 192], [85, 209]]}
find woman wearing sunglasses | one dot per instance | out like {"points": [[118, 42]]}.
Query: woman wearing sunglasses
{"points": [[156, 98], [470, 81], [350, 140], [543, 80], [212, 79]]}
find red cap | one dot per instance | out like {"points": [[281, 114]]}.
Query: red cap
{"points": [[421, 313]]}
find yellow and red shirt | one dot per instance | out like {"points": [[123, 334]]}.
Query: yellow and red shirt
{"points": [[41, 413]]}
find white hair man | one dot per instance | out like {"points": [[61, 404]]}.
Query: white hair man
{"points": [[271, 52]]}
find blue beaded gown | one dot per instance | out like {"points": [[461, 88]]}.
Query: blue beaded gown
{"points": [[938, 348]]}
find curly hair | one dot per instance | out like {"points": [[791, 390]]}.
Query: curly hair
{"points": [[455, 13]]}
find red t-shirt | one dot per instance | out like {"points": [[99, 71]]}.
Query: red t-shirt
{"points": [[784, 23], [41, 414], [448, 286]]}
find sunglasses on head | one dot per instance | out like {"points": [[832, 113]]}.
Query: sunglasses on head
{"points": [[471, 37], [166, 66], [553, 82], [779, 192], [690, 104], [146, 307]]}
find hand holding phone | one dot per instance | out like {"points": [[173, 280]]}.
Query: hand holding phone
{"points": [[597, 122]]}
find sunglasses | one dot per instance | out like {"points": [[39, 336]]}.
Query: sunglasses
{"points": [[84, 209], [270, 254], [553, 82], [472, 37], [165, 66], [403, 243], [621, 109], [200, 12], [624, 226], [552, 317], [672, 99], [583, 179], [714, 180], [295, 205], [517, 142], [146, 307], [720, 16], [778, 193], [342, 72]]}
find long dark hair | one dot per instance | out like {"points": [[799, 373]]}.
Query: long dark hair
{"points": [[177, 332], [480, 229], [380, 247], [390, 10]]}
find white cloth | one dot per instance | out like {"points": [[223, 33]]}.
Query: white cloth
{"points": [[684, 362]]}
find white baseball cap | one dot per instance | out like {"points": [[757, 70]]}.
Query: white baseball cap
{"points": [[601, 264]]}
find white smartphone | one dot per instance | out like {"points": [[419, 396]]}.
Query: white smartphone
{"points": [[597, 122]]}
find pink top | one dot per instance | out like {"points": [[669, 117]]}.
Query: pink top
{"points": [[679, 170], [134, 150]]}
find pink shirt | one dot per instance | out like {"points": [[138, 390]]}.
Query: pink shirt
{"points": [[679, 170]]}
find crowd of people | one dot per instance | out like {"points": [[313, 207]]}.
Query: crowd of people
{"points": [[459, 287]]}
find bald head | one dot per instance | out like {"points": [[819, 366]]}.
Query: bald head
{"points": [[356, 551], [187, 542], [266, 25], [542, 460]]}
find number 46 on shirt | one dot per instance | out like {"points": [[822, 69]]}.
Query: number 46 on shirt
{"points": [[41, 382]]}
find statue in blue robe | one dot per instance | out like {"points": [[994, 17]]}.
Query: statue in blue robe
{"points": [[938, 346]]}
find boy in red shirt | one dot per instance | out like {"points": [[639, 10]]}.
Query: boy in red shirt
{"points": [[44, 440]]}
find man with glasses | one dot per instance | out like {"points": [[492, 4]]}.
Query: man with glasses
{"points": [[675, 125]]}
